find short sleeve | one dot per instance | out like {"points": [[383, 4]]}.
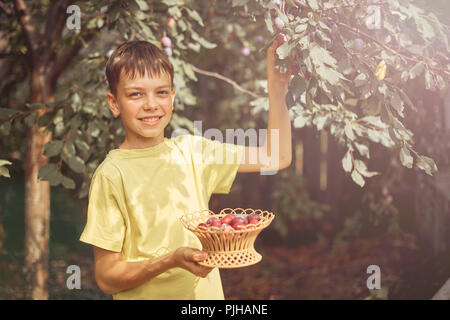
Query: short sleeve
{"points": [[221, 162], [105, 227]]}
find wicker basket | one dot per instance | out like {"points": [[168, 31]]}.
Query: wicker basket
{"points": [[228, 249]]}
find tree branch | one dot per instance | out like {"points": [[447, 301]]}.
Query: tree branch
{"points": [[64, 59], [31, 36], [54, 27], [228, 80], [359, 32]]}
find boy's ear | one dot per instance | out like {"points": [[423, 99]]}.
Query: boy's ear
{"points": [[112, 103]]}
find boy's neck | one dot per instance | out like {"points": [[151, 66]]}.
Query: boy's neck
{"points": [[141, 144]]}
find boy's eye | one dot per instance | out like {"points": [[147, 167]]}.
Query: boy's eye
{"points": [[135, 94], [163, 92]]}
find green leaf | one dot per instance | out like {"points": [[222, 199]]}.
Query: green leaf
{"points": [[365, 92], [358, 178], [6, 113], [349, 131], [194, 46], [69, 148], [51, 174], [31, 119], [53, 148], [321, 55], [300, 121], [142, 5], [406, 158], [84, 190], [442, 84], [284, 50], [34, 105], [329, 74], [260, 104], [55, 179], [82, 145], [268, 21], [351, 102], [428, 80], [4, 162], [93, 130], [345, 67], [76, 121], [145, 29], [297, 86], [170, 3], [374, 120], [205, 43], [313, 4], [75, 163], [360, 80], [4, 172], [427, 164], [397, 103], [424, 27], [347, 162], [46, 170], [5, 128], [320, 121], [362, 149], [301, 28], [362, 169], [239, 3], [416, 70], [407, 100], [45, 119], [188, 71], [68, 183], [194, 15]]}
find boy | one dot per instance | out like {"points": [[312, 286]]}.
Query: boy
{"points": [[139, 192]]}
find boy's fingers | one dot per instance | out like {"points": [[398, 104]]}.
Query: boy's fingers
{"points": [[204, 271], [272, 52], [272, 48], [274, 44], [200, 256]]}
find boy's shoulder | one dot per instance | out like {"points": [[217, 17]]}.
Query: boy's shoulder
{"points": [[187, 142], [108, 169], [185, 138], [192, 140]]}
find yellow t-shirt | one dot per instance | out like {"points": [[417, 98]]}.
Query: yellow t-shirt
{"points": [[137, 197]]}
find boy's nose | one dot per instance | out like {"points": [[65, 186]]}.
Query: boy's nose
{"points": [[150, 104]]}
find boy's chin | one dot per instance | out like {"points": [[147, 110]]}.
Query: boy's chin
{"points": [[152, 135]]}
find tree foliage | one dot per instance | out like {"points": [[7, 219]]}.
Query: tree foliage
{"points": [[352, 72]]}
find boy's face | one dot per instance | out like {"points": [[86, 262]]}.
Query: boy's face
{"points": [[145, 105]]}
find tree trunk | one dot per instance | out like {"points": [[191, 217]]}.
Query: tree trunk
{"points": [[37, 216], [37, 200]]}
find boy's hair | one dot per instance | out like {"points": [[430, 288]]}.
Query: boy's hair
{"points": [[136, 57]]}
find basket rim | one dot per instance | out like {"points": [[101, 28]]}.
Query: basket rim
{"points": [[208, 213]]}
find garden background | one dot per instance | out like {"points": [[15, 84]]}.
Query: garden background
{"points": [[370, 179]]}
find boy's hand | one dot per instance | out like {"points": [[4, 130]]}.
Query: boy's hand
{"points": [[188, 258], [276, 79]]}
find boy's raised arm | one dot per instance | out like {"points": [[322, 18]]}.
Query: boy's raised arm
{"points": [[276, 154]]}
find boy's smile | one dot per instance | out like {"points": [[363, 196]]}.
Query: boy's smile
{"points": [[145, 105]]}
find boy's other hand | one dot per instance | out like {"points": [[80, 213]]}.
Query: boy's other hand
{"points": [[188, 258]]}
